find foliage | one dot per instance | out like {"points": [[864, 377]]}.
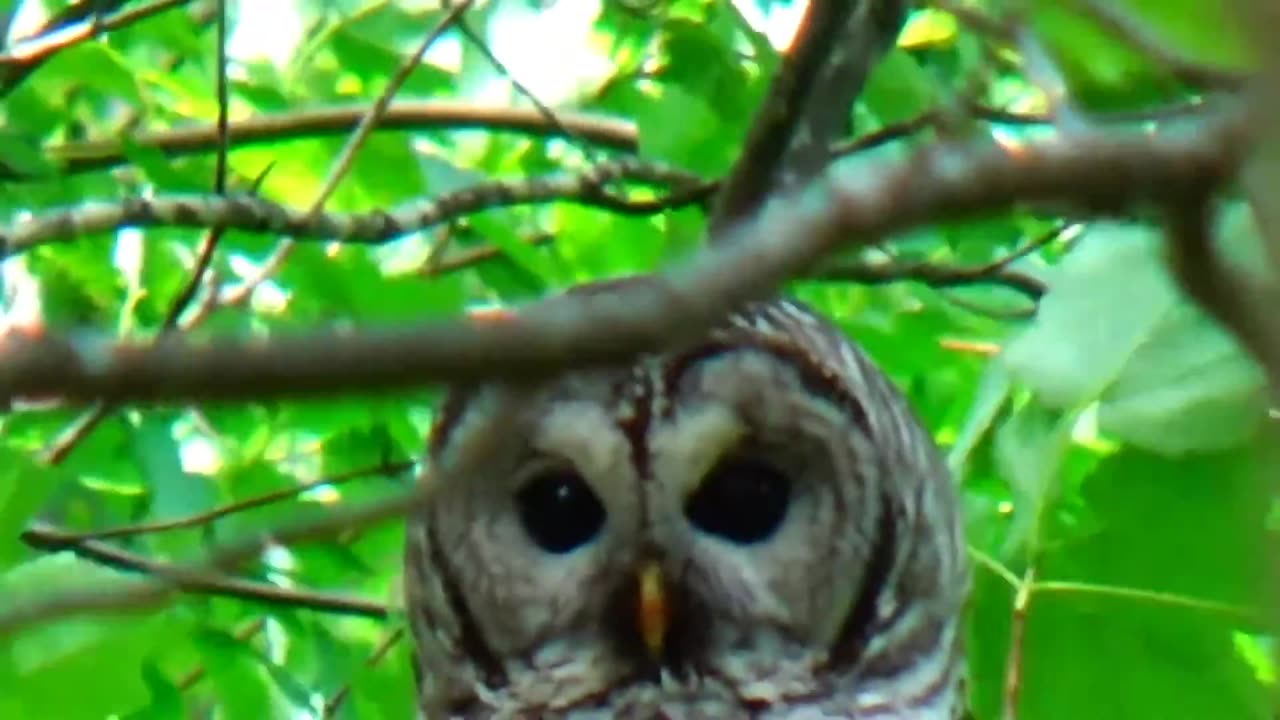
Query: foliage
{"points": [[1106, 434]]}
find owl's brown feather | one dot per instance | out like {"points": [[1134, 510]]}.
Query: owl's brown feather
{"points": [[849, 608]]}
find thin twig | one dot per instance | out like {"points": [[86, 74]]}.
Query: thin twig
{"points": [[936, 275], [342, 164], [191, 580], [544, 111], [209, 516], [15, 66], [82, 426], [443, 263], [138, 593], [104, 153], [608, 132]]}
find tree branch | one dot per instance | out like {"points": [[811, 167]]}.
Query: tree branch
{"points": [[937, 275], [1096, 173], [253, 214], [138, 592], [257, 501], [51, 539], [811, 94], [34, 52], [84, 156], [1243, 304]]}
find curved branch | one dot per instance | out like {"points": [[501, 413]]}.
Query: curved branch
{"points": [[1096, 173]]}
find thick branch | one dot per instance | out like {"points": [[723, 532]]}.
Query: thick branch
{"points": [[811, 93], [1097, 174], [1243, 304]]}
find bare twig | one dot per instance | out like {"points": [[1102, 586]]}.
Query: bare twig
{"points": [[608, 132], [88, 155], [1096, 173], [209, 516], [51, 539], [82, 426], [933, 117], [461, 259], [342, 164], [936, 275], [16, 66], [137, 593]]}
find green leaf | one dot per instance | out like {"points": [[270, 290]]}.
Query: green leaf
{"points": [[1190, 528], [1030, 447], [1204, 32], [992, 395], [1113, 328], [111, 75], [249, 684], [104, 655], [1188, 387], [898, 88], [24, 486], [166, 699], [683, 129], [1101, 72], [22, 155]]}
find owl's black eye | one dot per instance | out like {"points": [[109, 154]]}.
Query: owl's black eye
{"points": [[742, 500], [559, 510]]}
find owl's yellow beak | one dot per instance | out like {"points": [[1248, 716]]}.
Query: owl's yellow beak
{"points": [[653, 611]]}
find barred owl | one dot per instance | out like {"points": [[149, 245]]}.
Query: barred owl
{"points": [[751, 526]]}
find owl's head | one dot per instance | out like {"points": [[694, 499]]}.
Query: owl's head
{"points": [[745, 527]]}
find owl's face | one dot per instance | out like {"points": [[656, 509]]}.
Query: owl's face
{"points": [[721, 531]]}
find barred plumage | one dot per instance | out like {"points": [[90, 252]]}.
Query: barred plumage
{"points": [[823, 577]]}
